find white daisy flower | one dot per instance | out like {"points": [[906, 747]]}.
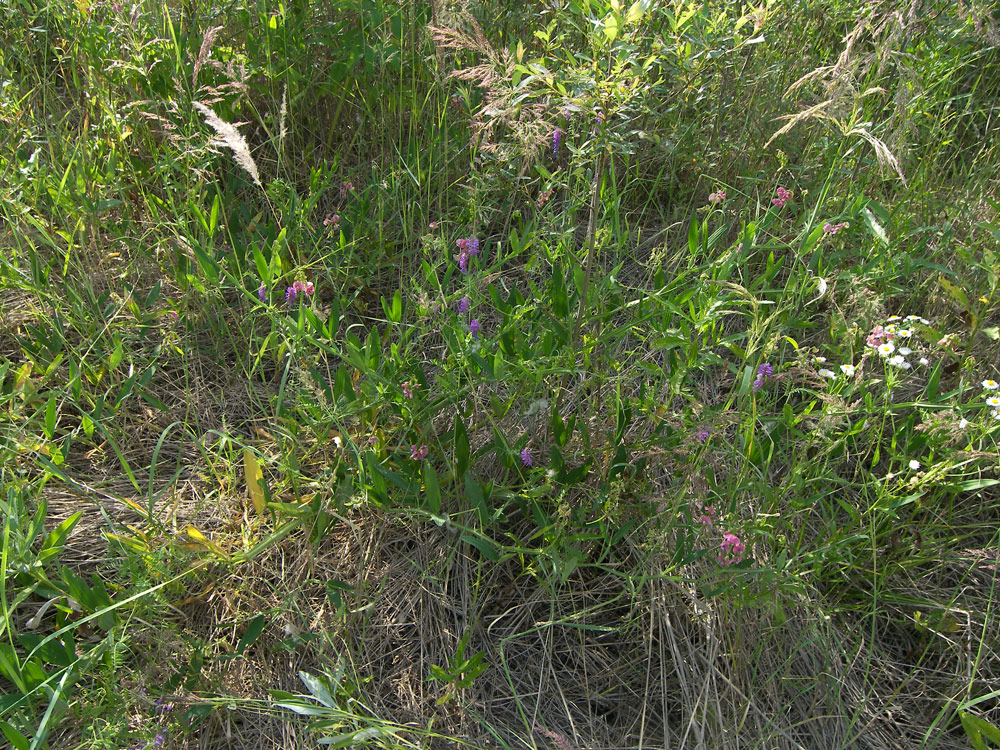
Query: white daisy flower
{"points": [[924, 361], [963, 424], [906, 365], [893, 318], [884, 350], [914, 464], [848, 370], [819, 360], [996, 413], [924, 321], [824, 373], [991, 385], [897, 361], [891, 328], [993, 401], [911, 318], [904, 333], [905, 351]]}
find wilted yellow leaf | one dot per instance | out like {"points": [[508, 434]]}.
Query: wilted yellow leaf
{"points": [[204, 541], [253, 475]]}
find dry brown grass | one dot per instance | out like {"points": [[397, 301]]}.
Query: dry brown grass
{"points": [[602, 660]]}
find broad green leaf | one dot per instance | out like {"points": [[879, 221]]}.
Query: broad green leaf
{"points": [[611, 27], [251, 634], [956, 293], [432, 488], [474, 494]]}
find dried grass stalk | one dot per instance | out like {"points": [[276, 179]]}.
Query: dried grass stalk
{"points": [[206, 49], [229, 136]]}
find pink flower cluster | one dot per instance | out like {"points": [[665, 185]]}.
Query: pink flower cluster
{"points": [[468, 247], [834, 228], [732, 549], [879, 336], [408, 387], [717, 197], [782, 198], [708, 516], [418, 452], [299, 287]]}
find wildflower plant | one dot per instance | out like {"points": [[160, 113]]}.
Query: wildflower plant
{"points": [[495, 329]]}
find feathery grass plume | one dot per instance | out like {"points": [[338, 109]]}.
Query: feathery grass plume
{"points": [[503, 105], [206, 49], [229, 136], [842, 105], [282, 115]]}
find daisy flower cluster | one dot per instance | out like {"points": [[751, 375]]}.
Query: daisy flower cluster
{"points": [[992, 398], [894, 341], [847, 370]]}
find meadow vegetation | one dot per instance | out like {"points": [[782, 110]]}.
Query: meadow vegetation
{"points": [[577, 374]]}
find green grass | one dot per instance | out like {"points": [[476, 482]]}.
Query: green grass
{"points": [[594, 489]]}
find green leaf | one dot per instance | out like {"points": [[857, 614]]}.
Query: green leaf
{"points": [[17, 740], [438, 673], [975, 728], [485, 547], [635, 12], [262, 267], [461, 447], [432, 489], [956, 293], [350, 738], [318, 689], [557, 293], [475, 496], [874, 226], [611, 27], [251, 634], [50, 416], [213, 220], [54, 542]]}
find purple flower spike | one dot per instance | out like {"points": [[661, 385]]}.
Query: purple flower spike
{"points": [[290, 294], [526, 457], [474, 328], [262, 292], [463, 305], [556, 140], [765, 371]]}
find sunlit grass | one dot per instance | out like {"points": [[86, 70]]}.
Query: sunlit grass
{"points": [[578, 376]]}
